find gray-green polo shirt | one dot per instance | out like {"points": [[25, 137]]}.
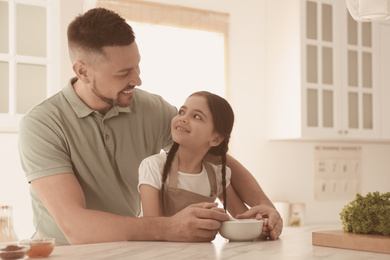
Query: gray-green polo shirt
{"points": [[63, 135]]}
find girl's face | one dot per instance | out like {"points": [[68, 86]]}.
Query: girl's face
{"points": [[193, 127]]}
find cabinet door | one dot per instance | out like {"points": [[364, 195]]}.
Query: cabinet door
{"points": [[384, 75], [360, 93], [321, 85]]}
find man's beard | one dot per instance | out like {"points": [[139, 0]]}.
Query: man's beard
{"points": [[110, 101]]}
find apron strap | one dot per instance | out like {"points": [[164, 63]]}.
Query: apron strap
{"points": [[212, 178], [173, 180], [173, 173]]}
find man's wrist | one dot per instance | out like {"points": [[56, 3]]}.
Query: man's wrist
{"points": [[159, 228]]}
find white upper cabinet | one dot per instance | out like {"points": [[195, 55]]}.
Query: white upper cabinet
{"points": [[323, 72], [384, 76]]}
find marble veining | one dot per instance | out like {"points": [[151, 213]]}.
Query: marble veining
{"points": [[295, 243]]}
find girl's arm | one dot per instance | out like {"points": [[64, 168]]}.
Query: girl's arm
{"points": [[252, 195], [245, 185], [235, 205], [150, 199]]}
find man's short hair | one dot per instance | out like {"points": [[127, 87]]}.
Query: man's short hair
{"points": [[98, 28]]}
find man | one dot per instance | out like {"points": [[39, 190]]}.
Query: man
{"points": [[82, 147]]}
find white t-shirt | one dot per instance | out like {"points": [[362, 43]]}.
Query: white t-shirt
{"points": [[151, 168]]}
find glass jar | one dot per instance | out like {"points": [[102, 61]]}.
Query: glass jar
{"points": [[7, 232]]}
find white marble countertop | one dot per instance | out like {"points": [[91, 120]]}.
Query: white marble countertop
{"points": [[295, 243]]}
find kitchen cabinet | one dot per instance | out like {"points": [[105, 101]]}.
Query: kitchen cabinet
{"points": [[323, 72], [384, 28]]}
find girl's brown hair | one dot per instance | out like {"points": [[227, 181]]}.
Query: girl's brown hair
{"points": [[223, 120]]}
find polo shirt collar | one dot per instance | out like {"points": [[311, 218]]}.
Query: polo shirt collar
{"points": [[80, 108]]}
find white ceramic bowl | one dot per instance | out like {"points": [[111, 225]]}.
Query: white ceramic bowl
{"points": [[241, 229]]}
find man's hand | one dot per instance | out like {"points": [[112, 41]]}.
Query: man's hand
{"points": [[196, 223], [273, 223]]}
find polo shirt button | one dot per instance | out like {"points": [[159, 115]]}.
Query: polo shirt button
{"points": [[107, 137]]}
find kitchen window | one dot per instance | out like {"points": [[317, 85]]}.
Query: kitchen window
{"points": [[29, 67], [182, 49]]}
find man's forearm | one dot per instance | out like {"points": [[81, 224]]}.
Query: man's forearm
{"points": [[106, 227], [246, 185], [196, 223]]}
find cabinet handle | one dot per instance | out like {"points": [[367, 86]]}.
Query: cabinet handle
{"points": [[340, 132], [346, 132]]}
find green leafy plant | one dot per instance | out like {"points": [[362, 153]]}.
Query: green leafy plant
{"points": [[368, 214]]}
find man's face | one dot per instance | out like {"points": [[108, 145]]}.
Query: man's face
{"points": [[115, 78]]}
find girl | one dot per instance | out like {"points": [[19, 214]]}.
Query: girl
{"points": [[170, 182]]}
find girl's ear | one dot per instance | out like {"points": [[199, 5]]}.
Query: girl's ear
{"points": [[82, 71], [217, 139]]}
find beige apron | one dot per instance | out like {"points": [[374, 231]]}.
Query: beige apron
{"points": [[175, 199]]}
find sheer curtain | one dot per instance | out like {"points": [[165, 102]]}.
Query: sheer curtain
{"points": [[183, 50]]}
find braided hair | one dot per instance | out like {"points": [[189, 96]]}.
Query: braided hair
{"points": [[223, 120]]}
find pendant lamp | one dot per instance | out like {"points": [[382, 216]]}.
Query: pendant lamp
{"points": [[369, 10]]}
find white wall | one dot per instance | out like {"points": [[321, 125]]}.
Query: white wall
{"points": [[284, 169], [14, 190]]}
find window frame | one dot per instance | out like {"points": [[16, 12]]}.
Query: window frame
{"points": [[9, 122], [175, 16]]}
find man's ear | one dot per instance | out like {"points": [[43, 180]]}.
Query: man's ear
{"points": [[82, 71], [217, 139]]}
